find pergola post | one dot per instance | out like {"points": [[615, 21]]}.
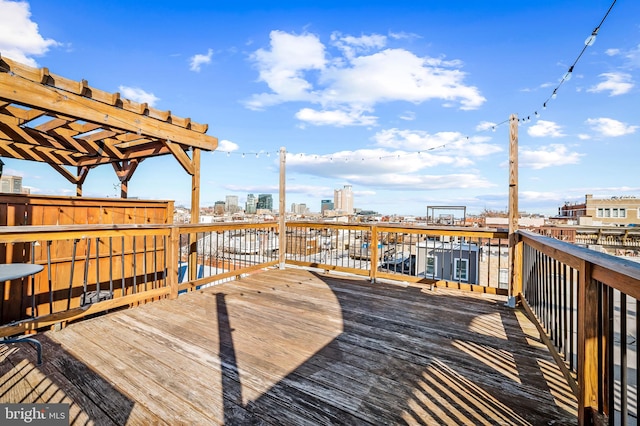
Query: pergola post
{"points": [[124, 171], [195, 214]]}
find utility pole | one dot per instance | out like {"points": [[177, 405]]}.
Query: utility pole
{"points": [[282, 234], [515, 247]]}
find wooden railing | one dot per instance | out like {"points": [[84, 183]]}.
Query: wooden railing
{"points": [[587, 306], [89, 269], [464, 258], [212, 253]]}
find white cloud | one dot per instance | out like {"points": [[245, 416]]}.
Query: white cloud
{"points": [[282, 68], [138, 95], [398, 75], [614, 83], [384, 169], [422, 182], [408, 116], [362, 74], [540, 196], [363, 161], [227, 146], [544, 128], [485, 125], [631, 56], [609, 127], [440, 144], [584, 136], [20, 38], [547, 156], [196, 61], [350, 45], [335, 117]]}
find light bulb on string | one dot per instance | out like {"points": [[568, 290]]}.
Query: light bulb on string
{"points": [[243, 155], [554, 94], [228, 154], [592, 38], [567, 76]]}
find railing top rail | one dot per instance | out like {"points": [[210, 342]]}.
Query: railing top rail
{"points": [[396, 227], [573, 254], [204, 227], [27, 233]]}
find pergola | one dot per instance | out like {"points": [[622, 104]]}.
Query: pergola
{"points": [[66, 123]]}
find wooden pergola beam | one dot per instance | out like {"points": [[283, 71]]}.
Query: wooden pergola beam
{"points": [[36, 95]]}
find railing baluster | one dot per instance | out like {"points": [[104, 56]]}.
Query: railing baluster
{"points": [[86, 273], [155, 262], [98, 298], [33, 284], [122, 267], [144, 260], [135, 271], [606, 394], [623, 359], [49, 276], [111, 266]]}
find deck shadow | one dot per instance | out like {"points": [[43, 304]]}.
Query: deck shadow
{"points": [[61, 378]]}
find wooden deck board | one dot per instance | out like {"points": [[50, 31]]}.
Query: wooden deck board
{"points": [[297, 347]]}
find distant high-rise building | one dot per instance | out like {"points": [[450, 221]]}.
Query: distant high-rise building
{"points": [[299, 208], [11, 184], [343, 199], [265, 202], [219, 207], [251, 205], [326, 205], [231, 204]]}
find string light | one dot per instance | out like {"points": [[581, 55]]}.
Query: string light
{"points": [[588, 42]]}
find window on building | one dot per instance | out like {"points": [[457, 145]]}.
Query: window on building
{"points": [[461, 269], [431, 267], [623, 212], [607, 212], [614, 212], [600, 212]]}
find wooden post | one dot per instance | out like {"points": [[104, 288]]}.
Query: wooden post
{"points": [[195, 214], [282, 243], [173, 257], [124, 171], [375, 254], [515, 260], [587, 345]]}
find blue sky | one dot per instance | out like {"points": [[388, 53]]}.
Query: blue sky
{"points": [[402, 100]]}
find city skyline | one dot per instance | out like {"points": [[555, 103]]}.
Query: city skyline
{"points": [[406, 104]]}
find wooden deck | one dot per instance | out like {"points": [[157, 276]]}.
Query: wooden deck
{"points": [[296, 347]]}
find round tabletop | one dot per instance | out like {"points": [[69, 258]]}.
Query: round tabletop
{"points": [[12, 271]]}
